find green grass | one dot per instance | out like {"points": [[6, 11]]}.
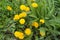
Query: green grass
{"points": [[49, 10]]}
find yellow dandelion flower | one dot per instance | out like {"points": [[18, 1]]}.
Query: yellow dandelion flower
{"points": [[42, 34], [27, 9], [35, 24], [19, 35], [22, 7], [34, 5], [16, 17], [27, 31], [23, 14], [9, 8], [42, 21], [22, 21]]}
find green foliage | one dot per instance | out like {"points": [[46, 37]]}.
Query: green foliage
{"points": [[49, 10]]}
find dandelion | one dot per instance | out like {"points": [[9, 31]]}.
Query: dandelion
{"points": [[34, 5], [35, 24], [9, 8], [27, 9], [42, 21], [16, 17], [19, 35], [22, 21], [22, 7], [23, 14], [27, 31]]}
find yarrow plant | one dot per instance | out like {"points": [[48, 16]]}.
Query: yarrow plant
{"points": [[29, 20]]}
